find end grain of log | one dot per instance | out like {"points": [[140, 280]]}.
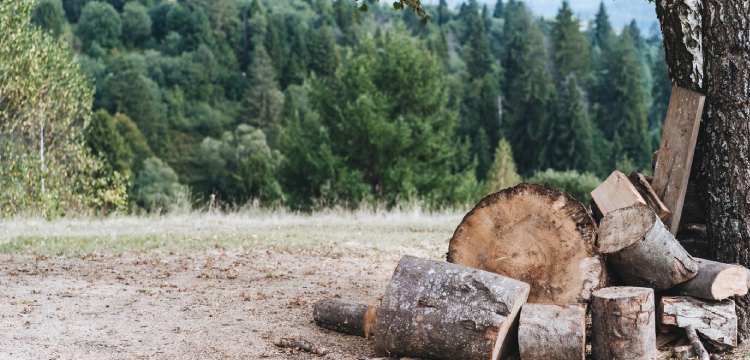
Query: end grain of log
{"points": [[716, 281]]}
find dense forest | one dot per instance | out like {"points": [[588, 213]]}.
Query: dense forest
{"points": [[316, 103]]}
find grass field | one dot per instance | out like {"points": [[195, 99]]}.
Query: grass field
{"points": [[200, 286]]}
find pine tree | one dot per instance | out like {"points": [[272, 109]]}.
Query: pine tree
{"points": [[503, 172], [626, 114], [602, 35], [570, 50], [323, 55], [443, 13], [263, 100], [499, 9], [569, 141], [527, 86]]}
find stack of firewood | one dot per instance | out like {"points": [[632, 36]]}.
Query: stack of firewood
{"points": [[529, 265]]}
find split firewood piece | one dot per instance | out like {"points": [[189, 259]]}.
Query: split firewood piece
{"points": [[345, 317], [301, 344], [716, 321], [643, 186], [696, 343], [439, 310], [537, 235], [623, 324], [642, 250], [716, 281], [552, 332], [616, 192], [675, 157]]}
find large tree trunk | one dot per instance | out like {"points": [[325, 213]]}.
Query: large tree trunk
{"points": [[707, 46]]}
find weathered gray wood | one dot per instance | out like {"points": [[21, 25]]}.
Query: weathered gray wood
{"points": [[614, 193], [716, 281], [675, 157], [683, 352], [535, 234], [696, 343], [439, 310], [643, 186], [648, 255], [716, 321], [552, 332], [344, 317], [623, 324]]}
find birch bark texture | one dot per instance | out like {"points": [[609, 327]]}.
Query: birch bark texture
{"points": [[707, 45]]}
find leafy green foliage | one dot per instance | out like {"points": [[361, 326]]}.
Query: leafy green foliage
{"points": [[49, 15], [158, 188], [136, 24], [579, 185], [99, 25], [45, 168]]}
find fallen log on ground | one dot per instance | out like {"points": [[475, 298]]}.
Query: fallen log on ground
{"points": [[552, 332], [438, 310], [345, 317], [643, 185], [716, 281], [715, 321], [623, 324], [534, 234], [642, 250]]}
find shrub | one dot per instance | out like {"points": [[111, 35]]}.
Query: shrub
{"points": [[574, 183]]}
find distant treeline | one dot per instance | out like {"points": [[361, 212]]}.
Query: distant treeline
{"points": [[313, 103]]}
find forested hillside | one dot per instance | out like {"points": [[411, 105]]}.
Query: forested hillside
{"points": [[314, 103]]}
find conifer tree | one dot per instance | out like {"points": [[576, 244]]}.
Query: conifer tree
{"points": [[527, 86], [499, 9], [569, 141], [323, 55], [263, 100], [443, 13], [570, 50], [503, 172], [602, 35]]}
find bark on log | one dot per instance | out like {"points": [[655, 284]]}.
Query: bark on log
{"points": [[344, 317], [623, 324], [711, 37], [552, 332], [642, 251], [535, 234], [716, 321], [696, 343], [643, 186], [438, 310], [716, 281], [616, 192]]}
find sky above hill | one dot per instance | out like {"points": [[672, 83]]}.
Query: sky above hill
{"points": [[620, 12]]}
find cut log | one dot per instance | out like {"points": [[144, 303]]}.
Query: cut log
{"points": [[616, 192], [716, 321], [345, 317], [534, 234], [716, 281], [643, 185], [642, 251], [675, 157], [623, 324], [552, 332], [438, 310], [696, 343]]}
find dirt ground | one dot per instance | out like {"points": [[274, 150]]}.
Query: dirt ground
{"points": [[229, 298]]}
